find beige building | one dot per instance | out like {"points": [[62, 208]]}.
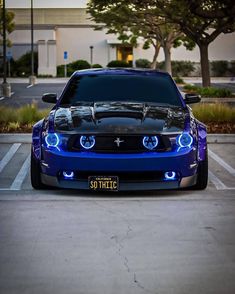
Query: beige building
{"points": [[59, 30]]}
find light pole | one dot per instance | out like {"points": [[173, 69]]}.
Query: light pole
{"points": [[32, 77], [6, 87], [91, 55]]}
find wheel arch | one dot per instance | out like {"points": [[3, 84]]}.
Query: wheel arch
{"points": [[202, 141], [36, 139]]}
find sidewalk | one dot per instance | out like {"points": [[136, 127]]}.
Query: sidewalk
{"points": [[38, 80]]}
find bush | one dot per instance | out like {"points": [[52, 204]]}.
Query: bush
{"points": [[160, 65], [143, 63], [208, 91], [7, 115], [232, 68], [22, 66], [25, 115], [118, 63], [219, 68], [182, 68], [179, 68], [60, 70], [72, 67], [96, 65], [216, 113], [179, 80], [191, 88]]}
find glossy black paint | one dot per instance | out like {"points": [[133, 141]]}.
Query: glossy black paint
{"points": [[49, 97], [122, 118], [191, 98]]}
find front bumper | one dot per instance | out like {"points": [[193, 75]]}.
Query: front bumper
{"points": [[123, 186], [183, 162]]}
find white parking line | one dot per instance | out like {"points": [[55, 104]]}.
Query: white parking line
{"points": [[19, 179], [9, 155], [1, 98], [29, 86], [217, 182], [230, 169]]}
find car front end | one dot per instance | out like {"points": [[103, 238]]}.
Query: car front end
{"points": [[119, 146]]}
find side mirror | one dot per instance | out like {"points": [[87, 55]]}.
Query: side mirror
{"points": [[49, 98], [192, 98]]}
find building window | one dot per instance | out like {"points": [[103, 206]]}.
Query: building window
{"points": [[125, 53]]}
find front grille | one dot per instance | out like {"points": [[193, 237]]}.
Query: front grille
{"points": [[128, 144]]}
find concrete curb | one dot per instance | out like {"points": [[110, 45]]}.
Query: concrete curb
{"points": [[15, 138], [217, 100], [221, 138], [26, 138]]}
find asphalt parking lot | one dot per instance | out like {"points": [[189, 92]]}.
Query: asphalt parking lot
{"points": [[23, 94], [64, 241], [68, 241]]}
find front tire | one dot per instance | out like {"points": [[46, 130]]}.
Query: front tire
{"points": [[202, 175], [35, 172]]}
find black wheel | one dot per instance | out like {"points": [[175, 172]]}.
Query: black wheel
{"points": [[35, 172], [202, 175]]}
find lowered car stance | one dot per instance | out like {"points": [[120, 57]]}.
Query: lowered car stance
{"points": [[119, 130]]}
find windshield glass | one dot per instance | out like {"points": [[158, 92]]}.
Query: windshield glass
{"points": [[123, 88]]}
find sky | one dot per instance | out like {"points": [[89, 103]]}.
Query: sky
{"points": [[46, 3]]}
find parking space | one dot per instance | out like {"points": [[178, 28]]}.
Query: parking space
{"points": [[168, 242], [64, 241], [22, 94], [15, 162]]}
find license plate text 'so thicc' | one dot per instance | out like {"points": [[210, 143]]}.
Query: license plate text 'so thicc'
{"points": [[103, 183]]}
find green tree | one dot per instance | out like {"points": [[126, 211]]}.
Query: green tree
{"points": [[10, 25], [131, 21], [201, 20]]}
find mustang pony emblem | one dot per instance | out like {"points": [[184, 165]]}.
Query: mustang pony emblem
{"points": [[118, 141]]}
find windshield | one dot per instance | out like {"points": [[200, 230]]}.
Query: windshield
{"points": [[122, 88]]}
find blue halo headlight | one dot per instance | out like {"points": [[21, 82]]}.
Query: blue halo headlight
{"points": [[150, 142], [87, 142], [184, 140], [52, 140]]}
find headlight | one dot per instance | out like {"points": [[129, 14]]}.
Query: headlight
{"points": [[184, 140], [87, 142], [52, 140], [150, 142]]}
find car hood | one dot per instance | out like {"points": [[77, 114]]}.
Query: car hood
{"points": [[119, 117]]}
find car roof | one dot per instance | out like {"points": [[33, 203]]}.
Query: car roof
{"points": [[120, 71]]}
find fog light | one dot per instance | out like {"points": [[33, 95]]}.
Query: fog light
{"points": [[170, 175], [68, 174]]}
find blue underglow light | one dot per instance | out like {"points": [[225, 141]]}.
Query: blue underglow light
{"points": [[68, 175], [184, 140], [87, 142], [150, 142], [52, 140], [170, 175]]}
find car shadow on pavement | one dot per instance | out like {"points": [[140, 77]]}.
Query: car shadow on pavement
{"points": [[118, 195]]}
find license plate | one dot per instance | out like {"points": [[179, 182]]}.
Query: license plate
{"points": [[103, 183]]}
